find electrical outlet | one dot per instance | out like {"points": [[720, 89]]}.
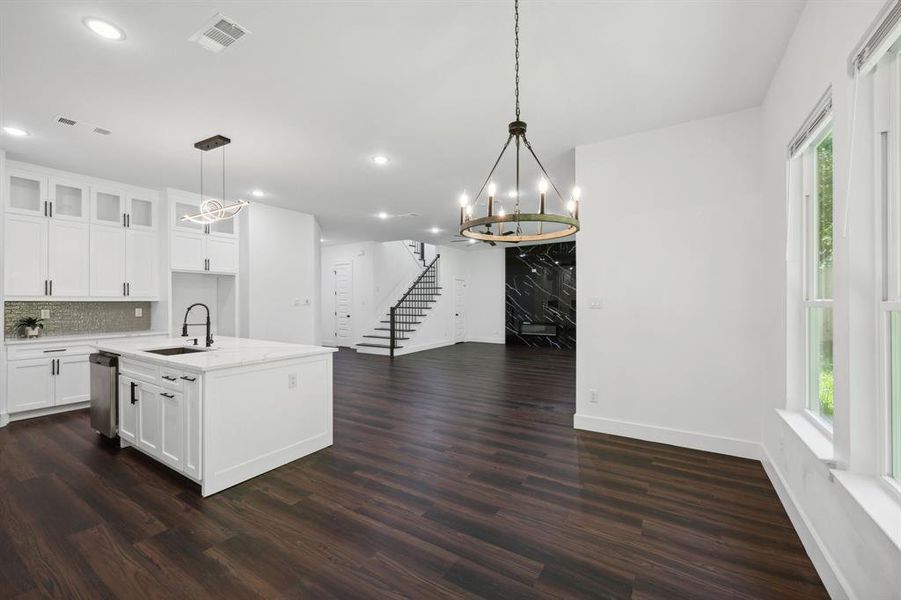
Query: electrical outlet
{"points": [[45, 313], [292, 381], [139, 312], [594, 303], [593, 396]]}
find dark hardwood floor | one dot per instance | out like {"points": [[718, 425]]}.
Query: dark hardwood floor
{"points": [[455, 473]]}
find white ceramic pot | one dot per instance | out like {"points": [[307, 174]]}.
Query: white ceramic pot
{"points": [[33, 332]]}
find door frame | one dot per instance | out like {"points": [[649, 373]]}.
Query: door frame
{"points": [[351, 323]]}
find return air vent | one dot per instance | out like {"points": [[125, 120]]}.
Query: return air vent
{"points": [[65, 121], [219, 33], [102, 131]]}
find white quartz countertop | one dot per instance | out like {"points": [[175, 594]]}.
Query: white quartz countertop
{"points": [[226, 352], [80, 337]]}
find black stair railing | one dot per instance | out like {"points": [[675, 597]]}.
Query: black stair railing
{"points": [[414, 303]]}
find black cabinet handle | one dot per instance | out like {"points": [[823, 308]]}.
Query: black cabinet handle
{"points": [[45, 287], [133, 386], [128, 220], [186, 378], [123, 288], [57, 350], [53, 367], [167, 378], [128, 289], [51, 285], [45, 208], [167, 395], [51, 210], [124, 221], [57, 366]]}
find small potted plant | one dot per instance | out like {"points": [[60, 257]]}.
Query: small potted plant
{"points": [[31, 326]]}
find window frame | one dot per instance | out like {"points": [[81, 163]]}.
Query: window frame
{"points": [[887, 192], [809, 266]]}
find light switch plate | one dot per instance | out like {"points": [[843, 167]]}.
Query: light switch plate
{"points": [[45, 313], [594, 303], [292, 381], [139, 312]]}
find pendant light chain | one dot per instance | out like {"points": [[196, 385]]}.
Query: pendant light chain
{"points": [[516, 52]]}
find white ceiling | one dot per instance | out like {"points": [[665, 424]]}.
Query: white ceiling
{"points": [[319, 87]]}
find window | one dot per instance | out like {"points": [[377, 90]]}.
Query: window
{"points": [[816, 167]]}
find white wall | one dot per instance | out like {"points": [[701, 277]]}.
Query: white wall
{"points": [[486, 295], [360, 255], [671, 224], [281, 282], [853, 555]]}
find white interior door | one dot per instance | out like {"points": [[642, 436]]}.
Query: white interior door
{"points": [[459, 310], [344, 297]]}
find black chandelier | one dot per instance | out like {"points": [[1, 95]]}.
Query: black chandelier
{"points": [[518, 226]]}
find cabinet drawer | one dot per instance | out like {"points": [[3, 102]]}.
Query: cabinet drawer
{"points": [[171, 379], [47, 351], [140, 370]]}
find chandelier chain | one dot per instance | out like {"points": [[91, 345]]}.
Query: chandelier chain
{"points": [[516, 52]]}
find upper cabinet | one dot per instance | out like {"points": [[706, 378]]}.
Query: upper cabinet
{"points": [[66, 237], [198, 247]]}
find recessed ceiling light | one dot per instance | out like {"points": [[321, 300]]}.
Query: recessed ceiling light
{"points": [[257, 193], [382, 215], [380, 159], [104, 29], [472, 241], [435, 230], [15, 131], [511, 194]]}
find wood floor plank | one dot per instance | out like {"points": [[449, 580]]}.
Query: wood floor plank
{"points": [[455, 473]]}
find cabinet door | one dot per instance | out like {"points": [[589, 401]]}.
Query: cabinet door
{"points": [[25, 249], [26, 193], [68, 200], [142, 212], [188, 251], [222, 254], [192, 463], [107, 206], [69, 258], [30, 384], [222, 228], [73, 380], [172, 435], [150, 425], [141, 263], [129, 390], [107, 261]]}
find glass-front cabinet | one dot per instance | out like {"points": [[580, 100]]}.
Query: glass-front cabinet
{"points": [[27, 193], [107, 206], [68, 200]]}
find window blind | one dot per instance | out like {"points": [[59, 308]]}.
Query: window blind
{"points": [[812, 124], [881, 36]]}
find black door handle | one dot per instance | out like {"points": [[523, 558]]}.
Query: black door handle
{"points": [[133, 386]]}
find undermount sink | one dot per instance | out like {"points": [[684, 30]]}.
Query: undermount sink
{"points": [[175, 350]]}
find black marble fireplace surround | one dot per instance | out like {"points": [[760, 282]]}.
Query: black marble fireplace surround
{"points": [[541, 295]]}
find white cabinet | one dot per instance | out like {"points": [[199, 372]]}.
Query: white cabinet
{"points": [[69, 258], [150, 426], [25, 251], [141, 264], [107, 261], [26, 193], [73, 380], [199, 248], [128, 411], [222, 254], [159, 413], [45, 378], [30, 384]]}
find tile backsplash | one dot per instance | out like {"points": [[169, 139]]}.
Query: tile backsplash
{"points": [[71, 318]]}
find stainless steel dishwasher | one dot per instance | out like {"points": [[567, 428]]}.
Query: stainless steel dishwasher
{"points": [[104, 394]]}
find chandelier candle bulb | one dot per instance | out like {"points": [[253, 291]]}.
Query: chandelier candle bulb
{"points": [[542, 190], [491, 191]]}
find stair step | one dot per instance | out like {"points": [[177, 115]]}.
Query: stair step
{"points": [[389, 329], [403, 322], [385, 337], [386, 346]]}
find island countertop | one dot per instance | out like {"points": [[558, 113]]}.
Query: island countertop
{"points": [[226, 352]]}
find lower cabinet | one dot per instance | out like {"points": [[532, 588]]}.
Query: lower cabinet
{"points": [[45, 382], [162, 421]]}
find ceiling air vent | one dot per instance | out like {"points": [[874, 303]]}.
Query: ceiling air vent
{"points": [[65, 121], [219, 33], [102, 131]]}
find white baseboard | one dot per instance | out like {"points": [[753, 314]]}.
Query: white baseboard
{"points": [[43, 412], [4, 419], [421, 347], [666, 435], [826, 567], [487, 340]]}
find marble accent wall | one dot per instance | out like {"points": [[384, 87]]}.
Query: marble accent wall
{"points": [[71, 318], [541, 295]]}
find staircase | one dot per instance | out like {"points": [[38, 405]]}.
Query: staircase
{"points": [[403, 318]]}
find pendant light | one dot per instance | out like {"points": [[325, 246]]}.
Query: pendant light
{"points": [[212, 210], [516, 225]]}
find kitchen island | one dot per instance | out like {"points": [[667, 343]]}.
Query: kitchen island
{"points": [[224, 414]]}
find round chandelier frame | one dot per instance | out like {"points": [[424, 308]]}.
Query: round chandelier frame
{"points": [[508, 228]]}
